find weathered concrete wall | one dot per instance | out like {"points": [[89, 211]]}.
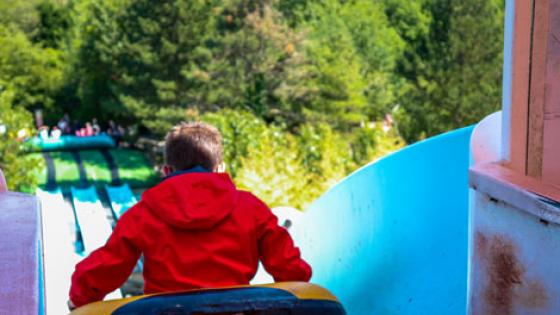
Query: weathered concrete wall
{"points": [[514, 246]]}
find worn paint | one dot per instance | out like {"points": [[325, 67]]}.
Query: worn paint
{"points": [[504, 272], [514, 237], [512, 229], [508, 273], [507, 285]]}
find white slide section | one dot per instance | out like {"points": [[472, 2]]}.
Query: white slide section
{"points": [[59, 231], [94, 224]]}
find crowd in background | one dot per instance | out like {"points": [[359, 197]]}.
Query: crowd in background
{"points": [[66, 126]]}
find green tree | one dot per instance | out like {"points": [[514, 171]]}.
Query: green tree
{"points": [[142, 62], [54, 24], [354, 51], [337, 69], [451, 68], [379, 47], [15, 125], [325, 154], [476, 46], [240, 131], [20, 14], [138, 59], [372, 141], [34, 73], [258, 63]]}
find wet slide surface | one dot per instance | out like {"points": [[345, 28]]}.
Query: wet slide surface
{"points": [[59, 237], [121, 198], [392, 237], [61, 223], [95, 226], [92, 218]]}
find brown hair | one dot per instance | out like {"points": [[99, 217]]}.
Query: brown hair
{"points": [[190, 144]]}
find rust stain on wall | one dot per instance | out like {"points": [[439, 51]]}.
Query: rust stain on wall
{"points": [[533, 295], [505, 273], [506, 286], [481, 242]]}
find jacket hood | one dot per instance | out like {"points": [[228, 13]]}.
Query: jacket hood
{"points": [[193, 200]]}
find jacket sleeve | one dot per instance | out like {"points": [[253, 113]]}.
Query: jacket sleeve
{"points": [[108, 267], [277, 252]]}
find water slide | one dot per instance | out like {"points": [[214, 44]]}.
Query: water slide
{"points": [[121, 198], [392, 237], [95, 226], [60, 227], [389, 239], [59, 237]]}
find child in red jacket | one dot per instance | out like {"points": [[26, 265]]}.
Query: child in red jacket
{"points": [[195, 230]]}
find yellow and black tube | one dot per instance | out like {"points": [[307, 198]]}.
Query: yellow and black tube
{"points": [[294, 298]]}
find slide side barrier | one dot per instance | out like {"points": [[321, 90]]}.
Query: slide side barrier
{"points": [[21, 265]]}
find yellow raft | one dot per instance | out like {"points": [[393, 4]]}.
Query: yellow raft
{"points": [[286, 298]]}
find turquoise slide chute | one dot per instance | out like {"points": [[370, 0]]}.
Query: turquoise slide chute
{"points": [[73, 143], [91, 217], [121, 198], [392, 237]]}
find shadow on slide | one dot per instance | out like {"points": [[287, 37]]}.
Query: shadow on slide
{"points": [[392, 237]]}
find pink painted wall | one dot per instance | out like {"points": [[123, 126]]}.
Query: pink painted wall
{"points": [[520, 85], [551, 126]]}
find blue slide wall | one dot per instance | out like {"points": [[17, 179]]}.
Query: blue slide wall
{"points": [[392, 237]]}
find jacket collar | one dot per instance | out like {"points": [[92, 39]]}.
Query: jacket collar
{"points": [[196, 169]]}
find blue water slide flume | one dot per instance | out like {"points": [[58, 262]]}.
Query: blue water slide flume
{"points": [[392, 237], [121, 198]]}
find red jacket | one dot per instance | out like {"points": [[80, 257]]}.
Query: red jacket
{"points": [[195, 230]]}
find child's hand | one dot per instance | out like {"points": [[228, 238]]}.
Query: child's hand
{"points": [[71, 305]]}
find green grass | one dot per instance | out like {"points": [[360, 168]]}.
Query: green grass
{"points": [[67, 172], [134, 168], [96, 167]]}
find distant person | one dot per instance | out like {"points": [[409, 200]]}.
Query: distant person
{"points": [[76, 128], [195, 229], [62, 125], [56, 133], [88, 130], [95, 126], [44, 132], [115, 131], [112, 126], [388, 122]]}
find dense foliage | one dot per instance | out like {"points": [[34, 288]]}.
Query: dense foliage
{"points": [[304, 91], [15, 124]]}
